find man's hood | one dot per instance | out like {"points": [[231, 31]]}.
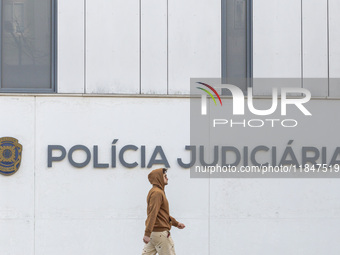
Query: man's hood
{"points": [[156, 178]]}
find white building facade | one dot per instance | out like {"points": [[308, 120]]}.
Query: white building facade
{"points": [[119, 74]]}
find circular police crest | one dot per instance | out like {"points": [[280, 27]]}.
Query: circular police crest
{"points": [[10, 155]]}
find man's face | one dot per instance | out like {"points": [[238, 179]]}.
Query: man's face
{"points": [[165, 178]]}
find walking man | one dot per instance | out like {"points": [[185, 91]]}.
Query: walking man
{"points": [[157, 237]]}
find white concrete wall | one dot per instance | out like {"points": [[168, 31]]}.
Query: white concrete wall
{"points": [[17, 194], [276, 42], [315, 46], [194, 42], [155, 47], [112, 46], [71, 47], [277, 39], [64, 210], [299, 45], [133, 47]]}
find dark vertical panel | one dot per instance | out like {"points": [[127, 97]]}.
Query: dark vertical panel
{"points": [[236, 42]]}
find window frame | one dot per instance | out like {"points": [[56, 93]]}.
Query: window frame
{"points": [[249, 41], [54, 63]]}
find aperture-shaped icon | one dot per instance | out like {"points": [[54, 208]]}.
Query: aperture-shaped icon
{"points": [[210, 87], [10, 155]]}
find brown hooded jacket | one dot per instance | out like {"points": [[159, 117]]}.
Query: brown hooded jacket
{"points": [[159, 218]]}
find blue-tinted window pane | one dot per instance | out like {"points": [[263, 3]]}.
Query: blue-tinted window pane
{"points": [[26, 44]]}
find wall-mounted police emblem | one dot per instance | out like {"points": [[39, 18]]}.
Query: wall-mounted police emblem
{"points": [[10, 155]]}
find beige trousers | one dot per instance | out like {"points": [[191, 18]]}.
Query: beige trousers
{"points": [[161, 243]]}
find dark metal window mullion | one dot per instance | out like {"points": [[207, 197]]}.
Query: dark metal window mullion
{"points": [[224, 40], [1, 27], [54, 65], [233, 70], [249, 43]]}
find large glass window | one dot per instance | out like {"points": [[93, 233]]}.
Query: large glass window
{"points": [[27, 46], [237, 43]]}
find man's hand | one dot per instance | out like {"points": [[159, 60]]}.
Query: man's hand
{"points": [[146, 239], [180, 225]]}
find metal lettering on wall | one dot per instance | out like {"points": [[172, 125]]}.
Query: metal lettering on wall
{"points": [[226, 161], [202, 157], [157, 158]]}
